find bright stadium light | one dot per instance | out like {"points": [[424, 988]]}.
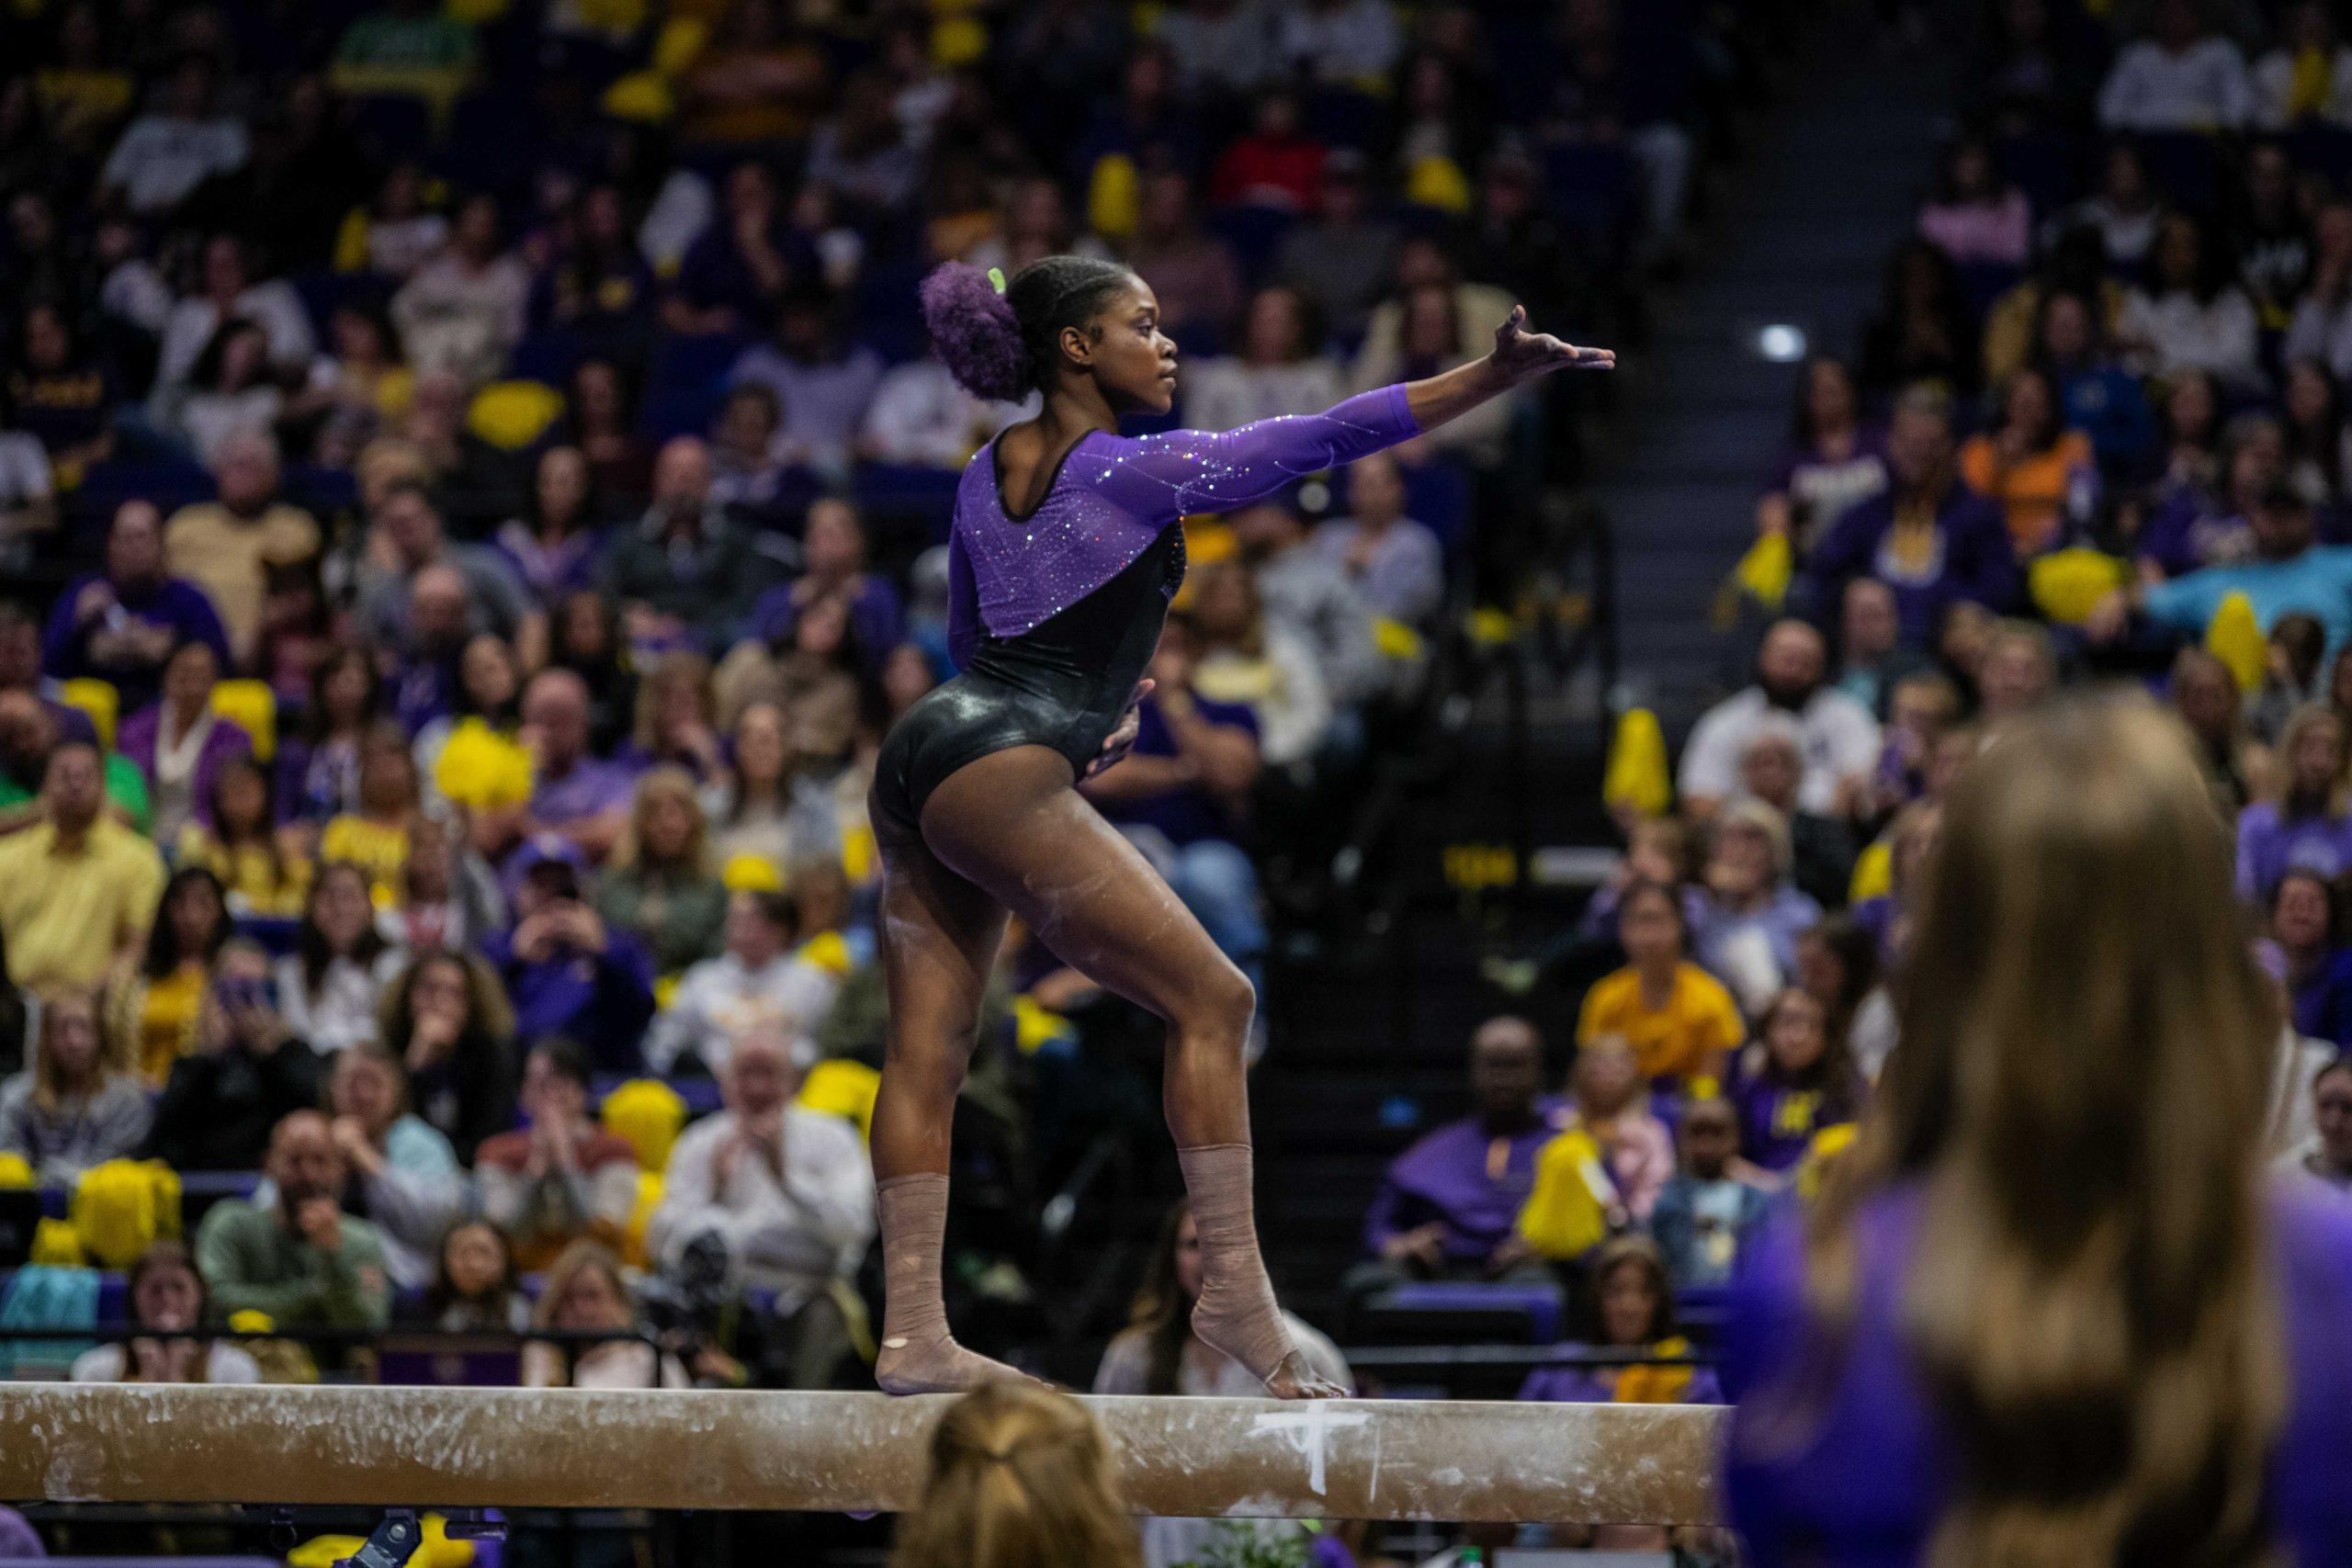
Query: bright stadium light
{"points": [[1781, 343]]}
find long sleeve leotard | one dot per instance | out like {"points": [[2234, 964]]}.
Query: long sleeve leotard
{"points": [[1054, 612]]}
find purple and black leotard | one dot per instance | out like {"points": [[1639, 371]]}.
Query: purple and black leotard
{"points": [[1054, 612]]}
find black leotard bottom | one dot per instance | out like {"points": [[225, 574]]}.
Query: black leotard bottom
{"points": [[1063, 684]]}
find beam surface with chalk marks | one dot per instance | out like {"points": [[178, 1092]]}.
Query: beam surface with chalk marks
{"points": [[578, 1448]]}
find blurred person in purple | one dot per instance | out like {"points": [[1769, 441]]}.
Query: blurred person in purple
{"points": [[1447, 1205], [1927, 536], [570, 973], [556, 544], [121, 622], [1833, 460], [179, 742], [833, 548], [2306, 828], [574, 795], [1795, 1080], [2304, 948], [1634, 1311]]}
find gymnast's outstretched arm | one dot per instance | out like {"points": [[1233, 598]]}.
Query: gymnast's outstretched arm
{"points": [[1185, 471]]}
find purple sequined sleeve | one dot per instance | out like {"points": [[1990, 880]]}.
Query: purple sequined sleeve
{"points": [[1185, 472], [963, 604]]}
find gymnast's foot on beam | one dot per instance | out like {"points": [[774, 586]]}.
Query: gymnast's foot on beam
{"points": [[935, 1365], [1252, 1333]]}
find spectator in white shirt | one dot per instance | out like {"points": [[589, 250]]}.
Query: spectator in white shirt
{"points": [[2321, 327], [168, 1299], [1840, 739], [1281, 368], [27, 494], [230, 394], [1306, 598], [1395, 562], [2191, 316], [921, 419], [163, 156], [2183, 77], [1340, 43], [465, 310], [757, 986], [822, 384], [1220, 46], [2283, 95], [229, 293], [783, 1195]]}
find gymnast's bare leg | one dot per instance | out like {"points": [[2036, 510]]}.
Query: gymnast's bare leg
{"points": [[1010, 831]]}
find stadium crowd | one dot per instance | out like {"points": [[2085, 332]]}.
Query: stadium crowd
{"points": [[471, 487]]}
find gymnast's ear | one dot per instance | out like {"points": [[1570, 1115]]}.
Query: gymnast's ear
{"points": [[1077, 343]]}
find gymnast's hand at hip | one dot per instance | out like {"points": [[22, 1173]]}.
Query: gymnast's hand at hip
{"points": [[1520, 354], [1120, 741]]}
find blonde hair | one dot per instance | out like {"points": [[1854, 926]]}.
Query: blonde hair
{"points": [[1020, 1477], [580, 1258], [679, 667], [2080, 1098], [2300, 723], [673, 784], [112, 1060]]}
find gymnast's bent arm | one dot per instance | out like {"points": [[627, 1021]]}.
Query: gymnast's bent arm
{"points": [[1190, 471]]}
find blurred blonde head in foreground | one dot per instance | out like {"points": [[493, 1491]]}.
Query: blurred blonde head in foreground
{"points": [[1020, 1477]]}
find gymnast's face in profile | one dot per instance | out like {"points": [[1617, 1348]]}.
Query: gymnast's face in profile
{"points": [[1131, 359]]}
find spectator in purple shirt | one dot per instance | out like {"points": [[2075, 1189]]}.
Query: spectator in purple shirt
{"points": [[1447, 1205], [2309, 956], [120, 624], [180, 744], [579, 797], [1833, 462], [1632, 1313], [569, 974], [2306, 829], [833, 546], [557, 544], [1928, 536], [1794, 1081]]}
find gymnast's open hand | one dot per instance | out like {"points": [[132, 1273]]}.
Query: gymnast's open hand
{"points": [[1120, 741], [1520, 354]]}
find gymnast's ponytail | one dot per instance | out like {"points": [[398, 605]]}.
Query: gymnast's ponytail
{"points": [[1020, 1477], [997, 345]]}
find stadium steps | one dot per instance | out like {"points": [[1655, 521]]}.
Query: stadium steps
{"points": [[1800, 237]]}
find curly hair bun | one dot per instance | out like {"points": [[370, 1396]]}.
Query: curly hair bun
{"points": [[976, 333]]}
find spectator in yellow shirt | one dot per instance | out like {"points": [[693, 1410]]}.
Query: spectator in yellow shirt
{"points": [[375, 836], [77, 889], [1680, 1021]]}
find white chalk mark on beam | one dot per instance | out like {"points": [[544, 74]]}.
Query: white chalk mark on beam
{"points": [[1307, 1427]]}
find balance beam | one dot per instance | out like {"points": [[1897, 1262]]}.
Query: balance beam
{"points": [[838, 1452]]}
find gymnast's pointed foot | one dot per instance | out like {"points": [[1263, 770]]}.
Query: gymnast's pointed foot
{"points": [[1245, 1326], [935, 1366]]}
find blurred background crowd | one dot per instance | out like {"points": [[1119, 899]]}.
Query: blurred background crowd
{"points": [[473, 489]]}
